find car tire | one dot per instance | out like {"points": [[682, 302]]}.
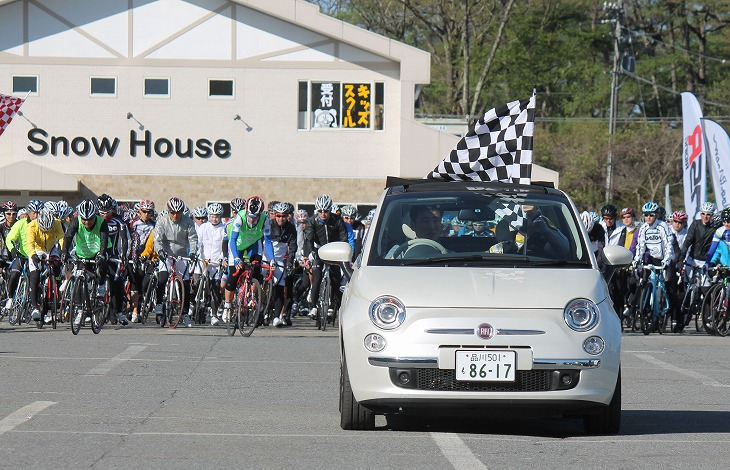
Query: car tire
{"points": [[353, 416], [608, 419]]}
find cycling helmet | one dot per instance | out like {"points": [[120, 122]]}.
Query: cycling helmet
{"points": [[609, 210], [51, 206], [105, 203], [87, 209], [22, 213], [628, 211], [175, 204], [661, 213], [46, 217], [146, 205], [679, 216], [128, 216], [301, 214], [650, 206], [587, 219], [725, 217], [187, 212], [237, 205], [708, 207], [254, 206], [34, 205], [62, 205], [279, 208], [323, 203], [335, 208], [349, 211], [65, 212], [271, 205], [215, 209], [455, 221], [200, 212], [9, 206], [164, 212]]}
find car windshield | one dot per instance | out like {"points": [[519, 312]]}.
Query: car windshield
{"points": [[477, 227]]}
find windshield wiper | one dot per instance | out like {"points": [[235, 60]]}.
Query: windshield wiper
{"points": [[559, 262], [492, 258]]}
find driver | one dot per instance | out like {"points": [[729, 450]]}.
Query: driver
{"points": [[425, 222]]}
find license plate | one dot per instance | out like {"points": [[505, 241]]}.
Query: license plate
{"points": [[486, 366]]}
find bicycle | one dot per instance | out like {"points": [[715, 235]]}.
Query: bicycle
{"points": [[247, 303], [4, 294], [148, 302], [694, 296], [715, 316], [172, 301], [654, 302], [85, 298], [51, 297], [207, 295], [20, 309], [326, 301]]}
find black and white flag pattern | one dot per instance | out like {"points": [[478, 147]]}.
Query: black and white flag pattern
{"points": [[499, 148]]}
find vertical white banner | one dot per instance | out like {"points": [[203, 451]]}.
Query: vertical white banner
{"points": [[693, 156], [718, 152]]}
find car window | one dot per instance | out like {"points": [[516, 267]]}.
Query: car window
{"points": [[477, 227]]}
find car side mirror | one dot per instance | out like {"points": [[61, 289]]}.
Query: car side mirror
{"points": [[337, 253], [614, 258]]}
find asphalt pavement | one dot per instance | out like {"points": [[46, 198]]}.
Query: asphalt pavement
{"points": [[147, 397]]}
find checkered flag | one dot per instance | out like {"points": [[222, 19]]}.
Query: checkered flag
{"points": [[9, 105], [513, 214], [499, 148]]}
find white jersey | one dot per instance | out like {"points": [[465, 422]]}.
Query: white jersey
{"points": [[657, 240], [211, 238]]}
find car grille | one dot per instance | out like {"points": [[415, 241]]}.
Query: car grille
{"points": [[445, 380]]}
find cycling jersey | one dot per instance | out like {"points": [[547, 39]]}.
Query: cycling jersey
{"points": [[245, 241], [40, 242], [144, 232], [177, 239], [722, 235], [320, 232], [210, 239], [89, 243], [699, 238], [655, 241], [118, 236], [16, 237]]}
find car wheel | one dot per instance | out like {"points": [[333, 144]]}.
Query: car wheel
{"points": [[352, 414], [608, 419]]}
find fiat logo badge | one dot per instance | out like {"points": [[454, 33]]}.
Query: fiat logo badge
{"points": [[485, 331]]}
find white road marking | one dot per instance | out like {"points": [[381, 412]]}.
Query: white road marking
{"points": [[456, 452], [120, 358], [23, 414], [689, 373]]}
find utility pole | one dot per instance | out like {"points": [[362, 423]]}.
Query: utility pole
{"points": [[616, 9]]}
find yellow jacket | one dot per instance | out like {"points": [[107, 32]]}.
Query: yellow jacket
{"points": [[38, 240]]}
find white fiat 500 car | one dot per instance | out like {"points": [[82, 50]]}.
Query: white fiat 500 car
{"points": [[509, 313]]}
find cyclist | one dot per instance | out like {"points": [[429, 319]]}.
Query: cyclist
{"points": [[15, 243], [623, 284], [89, 233], [9, 216], [210, 238], [142, 248], [200, 216], [699, 238], [596, 232], [654, 246], [43, 236], [245, 243], [322, 228], [175, 235], [283, 237], [118, 249], [349, 212], [719, 252], [300, 288], [609, 223], [679, 229]]}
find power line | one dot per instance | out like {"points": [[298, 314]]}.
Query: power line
{"points": [[669, 90], [675, 46]]}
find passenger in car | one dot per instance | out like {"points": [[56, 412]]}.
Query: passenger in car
{"points": [[425, 223]]}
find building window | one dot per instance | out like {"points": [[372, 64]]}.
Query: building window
{"points": [[157, 87], [220, 88], [104, 86], [339, 105], [379, 106], [25, 83]]}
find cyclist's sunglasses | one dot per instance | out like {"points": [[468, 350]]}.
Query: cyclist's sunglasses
{"points": [[708, 214], [279, 215], [146, 211], [649, 214], [324, 212], [200, 218], [11, 213]]}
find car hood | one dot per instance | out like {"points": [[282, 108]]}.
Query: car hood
{"points": [[470, 287]]}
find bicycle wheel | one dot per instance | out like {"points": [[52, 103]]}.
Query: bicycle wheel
{"points": [[3, 296], [50, 302], [202, 292], [325, 300], [17, 309], [700, 314], [645, 307], [149, 300], [78, 296], [173, 302], [95, 307], [232, 323], [717, 305], [720, 314], [251, 310], [266, 303]]}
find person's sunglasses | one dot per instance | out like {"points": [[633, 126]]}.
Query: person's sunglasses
{"points": [[11, 213], [708, 214], [279, 215], [200, 218], [324, 212], [627, 216], [175, 212], [649, 214], [145, 211]]}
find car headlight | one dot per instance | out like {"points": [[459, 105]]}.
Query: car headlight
{"points": [[581, 315], [387, 312]]}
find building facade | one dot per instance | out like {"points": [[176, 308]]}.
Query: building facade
{"points": [[206, 100]]}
